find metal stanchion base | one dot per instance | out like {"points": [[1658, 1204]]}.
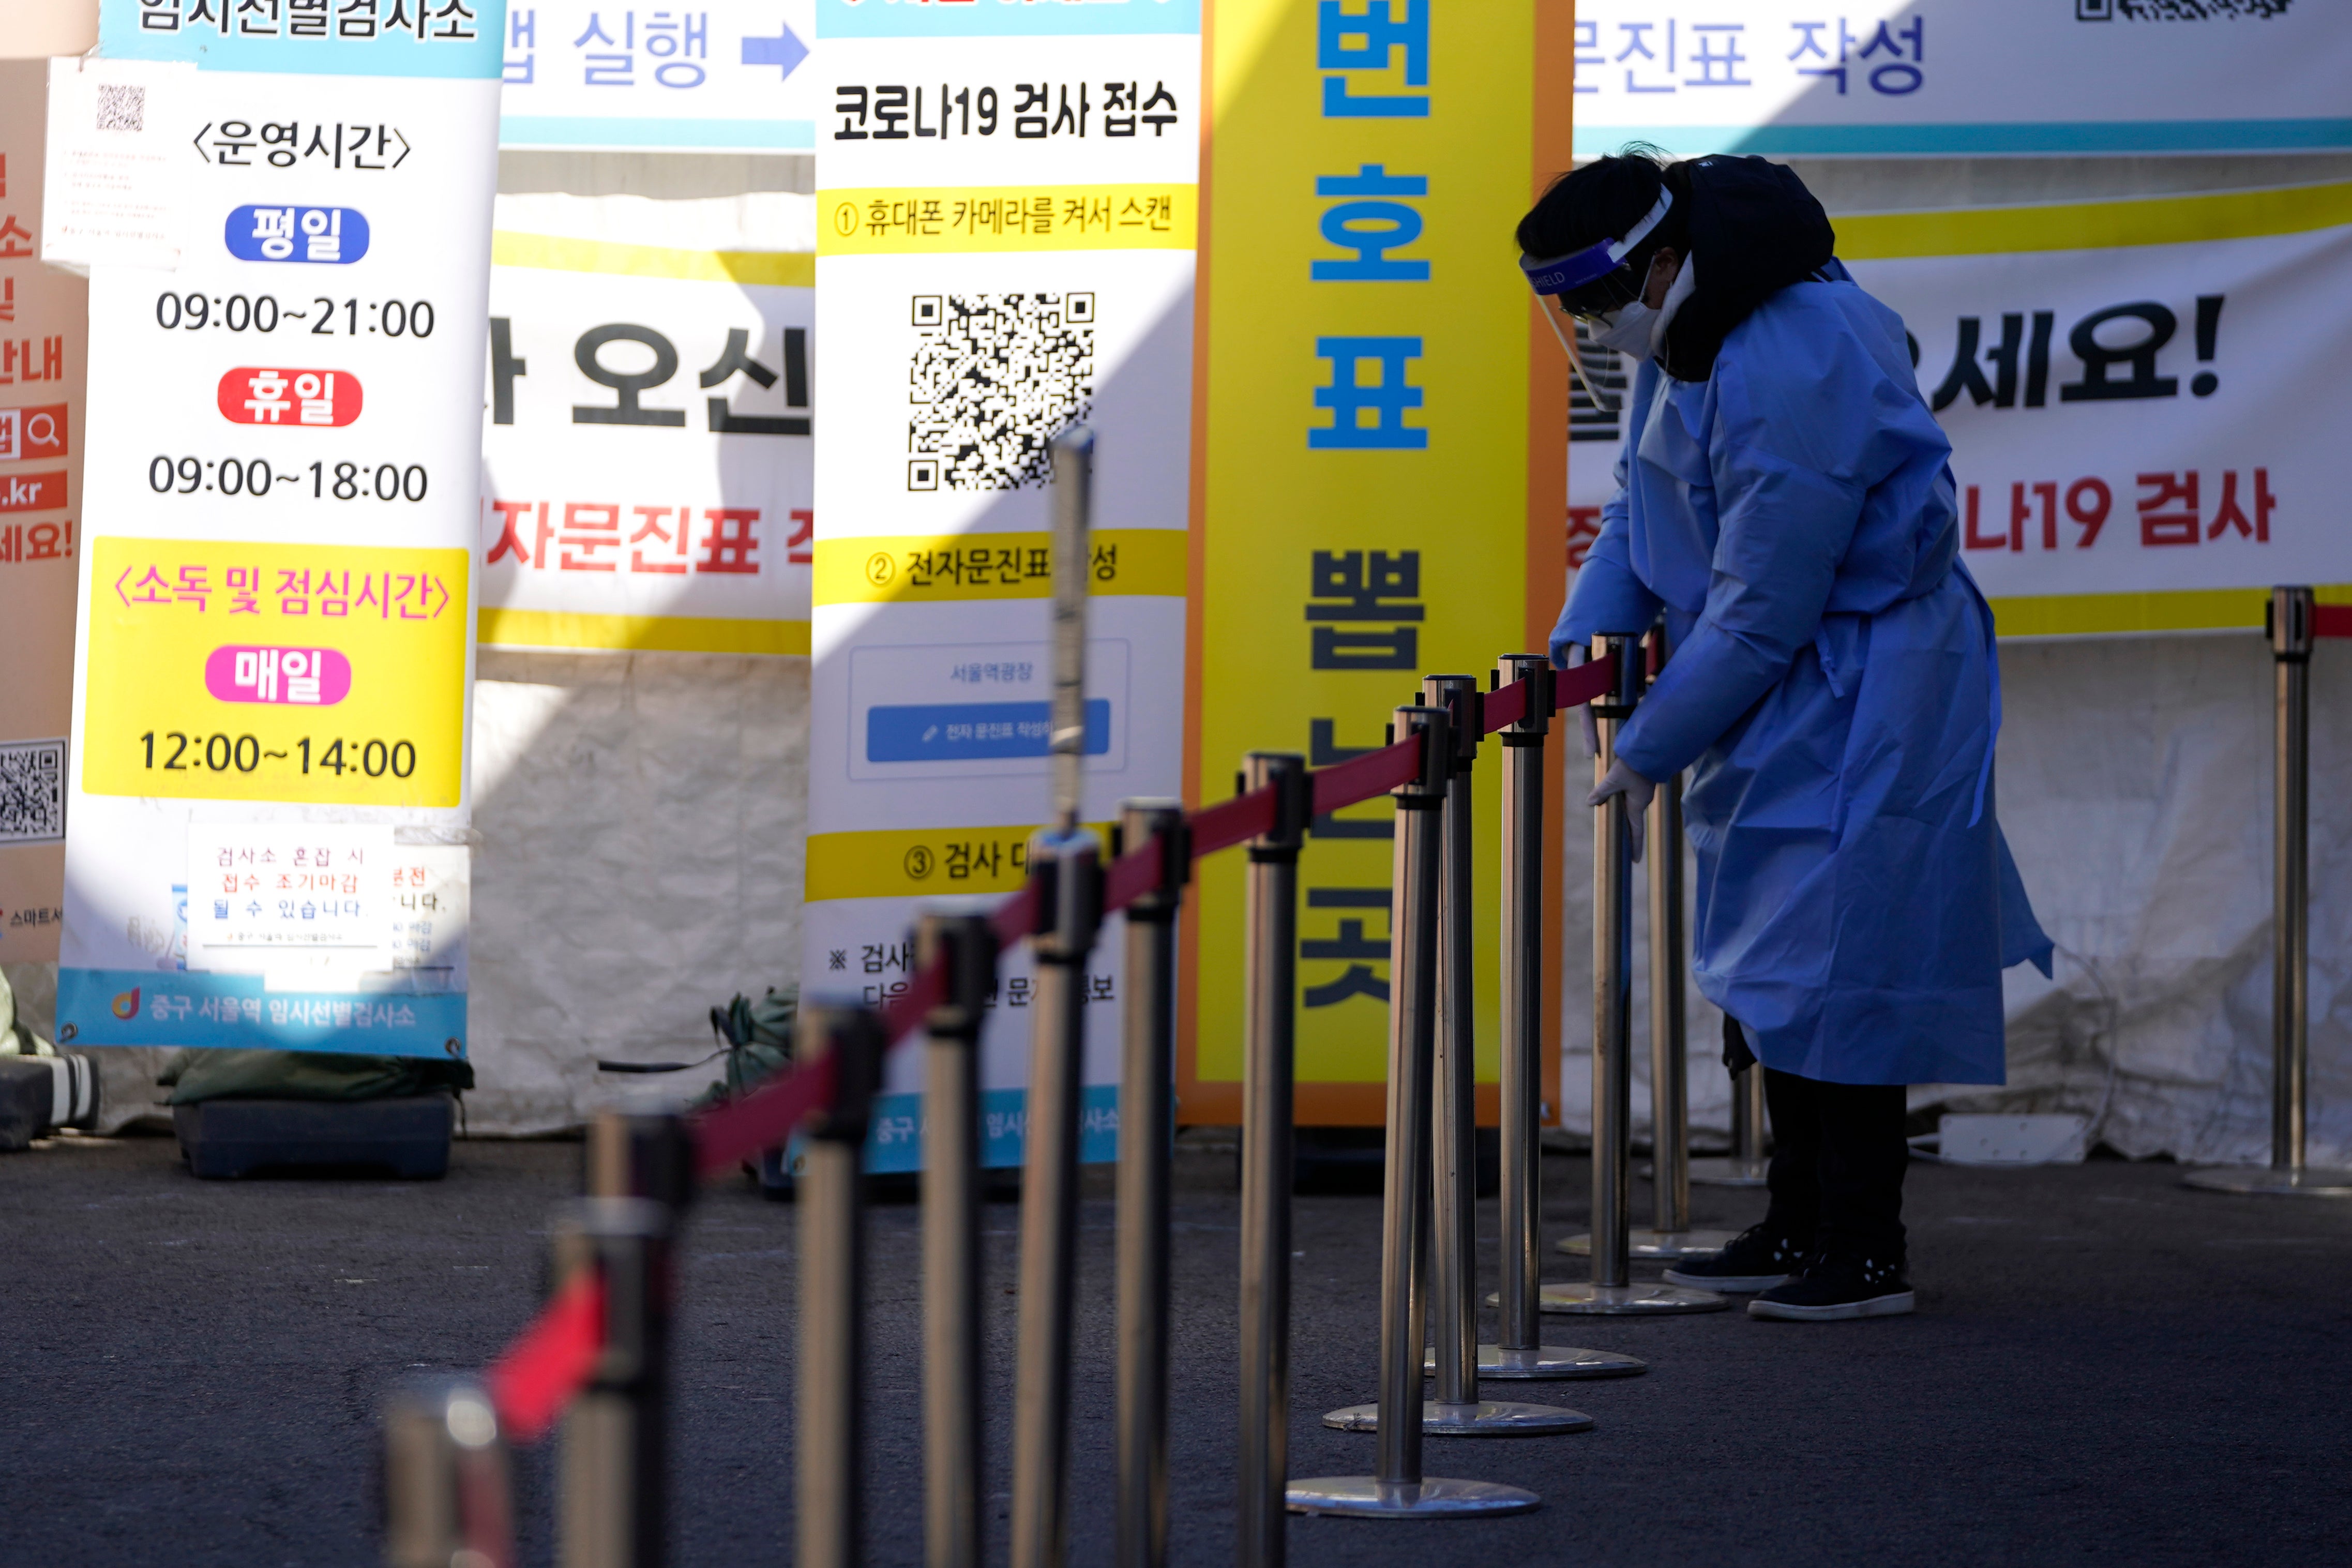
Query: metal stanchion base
{"points": [[1545, 1362], [1487, 1418], [2273, 1181], [1666, 1245], [1432, 1496], [1728, 1172], [1631, 1300]]}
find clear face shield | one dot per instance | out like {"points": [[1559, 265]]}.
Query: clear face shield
{"points": [[1590, 283]]}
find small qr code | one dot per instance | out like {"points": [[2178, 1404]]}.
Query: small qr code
{"points": [[121, 107], [32, 792], [996, 377]]}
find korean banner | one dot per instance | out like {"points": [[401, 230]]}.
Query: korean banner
{"points": [[718, 76], [646, 458], [1383, 465], [1960, 77], [43, 339], [266, 810], [2141, 395], [1005, 222]]}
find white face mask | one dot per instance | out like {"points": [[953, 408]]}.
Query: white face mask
{"points": [[1636, 329]]}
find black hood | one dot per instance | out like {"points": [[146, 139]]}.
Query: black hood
{"points": [[1754, 230]]}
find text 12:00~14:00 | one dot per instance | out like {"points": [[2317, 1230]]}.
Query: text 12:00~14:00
{"points": [[175, 750]]}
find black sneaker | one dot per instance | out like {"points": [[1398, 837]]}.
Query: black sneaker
{"points": [[1755, 1260], [1837, 1287]]}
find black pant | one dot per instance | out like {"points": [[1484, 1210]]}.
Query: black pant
{"points": [[1838, 1159]]}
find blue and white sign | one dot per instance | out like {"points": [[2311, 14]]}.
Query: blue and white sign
{"points": [[1962, 78], [720, 75], [333, 237]]}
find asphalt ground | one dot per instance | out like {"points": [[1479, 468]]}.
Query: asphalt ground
{"points": [[2104, 1368]]}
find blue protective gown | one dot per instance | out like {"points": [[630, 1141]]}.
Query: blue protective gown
{"points": [[1834, 687]]}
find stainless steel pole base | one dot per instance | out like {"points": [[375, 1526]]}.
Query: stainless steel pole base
{"points": [[1664, 1246], [1638, 1299], [1545, 1362], [1432, 1496], [1485, 1418], [1731, 1170], [2273, 1181]]}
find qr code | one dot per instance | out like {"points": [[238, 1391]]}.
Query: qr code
{"points": [[996, 377], [121, 107], [32, 792]]}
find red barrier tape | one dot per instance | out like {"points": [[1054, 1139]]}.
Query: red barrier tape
{"points": [[550, 1361], [2331, 620], [538, 1373]]}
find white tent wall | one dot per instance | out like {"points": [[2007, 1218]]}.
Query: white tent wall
{"points": [[2135, 787]]}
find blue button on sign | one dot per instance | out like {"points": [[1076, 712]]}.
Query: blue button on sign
{"points": [[336, 237], [973, 731]]}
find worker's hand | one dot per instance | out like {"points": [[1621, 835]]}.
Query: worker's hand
{"points": [[1637, 791], [1579, 653]]}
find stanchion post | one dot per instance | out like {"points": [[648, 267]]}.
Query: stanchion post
{"points": [[828, 1440], [1147, 1108], [448, 1495], [1670, 1236], [1612, 1290], [1744, 1166], [1521, 1351], [615, 1506], [1397, 1489], [2287, 621], [1065, 868], [965, 945], [1269, 1018]]}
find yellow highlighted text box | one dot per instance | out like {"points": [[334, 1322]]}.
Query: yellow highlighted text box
{"points": [[2124, 615], [620, 634], [556, 253], [922, 862], [2094, 226], [923, 222], [926, 569], [166, 714]]}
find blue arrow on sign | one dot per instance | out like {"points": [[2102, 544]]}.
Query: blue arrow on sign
{"points": [[783, 50]]}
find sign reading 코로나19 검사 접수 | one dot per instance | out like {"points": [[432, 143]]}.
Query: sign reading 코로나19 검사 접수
{"points": [[1956, 77], [271, 688], [1383, 463], [1006, 221], [42, 340], [648, 445], [2141, 396], [713, 76]]}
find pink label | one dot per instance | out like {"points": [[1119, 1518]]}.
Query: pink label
{"points": [[306, 676]]}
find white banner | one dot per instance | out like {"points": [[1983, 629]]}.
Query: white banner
{"points": [[646, 458], [2143, 399], [44, 339], [276, 598], [720, 75], [1956, 77], [1005, 217]]}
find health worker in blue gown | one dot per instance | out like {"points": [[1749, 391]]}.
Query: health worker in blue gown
{"points": [[1784, 508]]}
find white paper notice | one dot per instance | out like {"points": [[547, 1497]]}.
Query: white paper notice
{"points": [[112, 196]]}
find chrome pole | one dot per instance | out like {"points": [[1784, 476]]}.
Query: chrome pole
{"points": [[1456, 1411], [828, 1440], [1147, 1108], [1521, 1352], [2288, 621], [1398, 1488], [613, 1510], [966, 944], [1744, 1166], [1065, 868], [1670, 1235], [1270, 983], [448, 1493], [1074, 478], [1612, 1290]]}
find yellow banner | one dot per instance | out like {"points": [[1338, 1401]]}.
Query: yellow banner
{"points": [[1384, 458], [557, 253], [327, 675], [1013, 218], [666, 634], [922, 862], [933, 569]]}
